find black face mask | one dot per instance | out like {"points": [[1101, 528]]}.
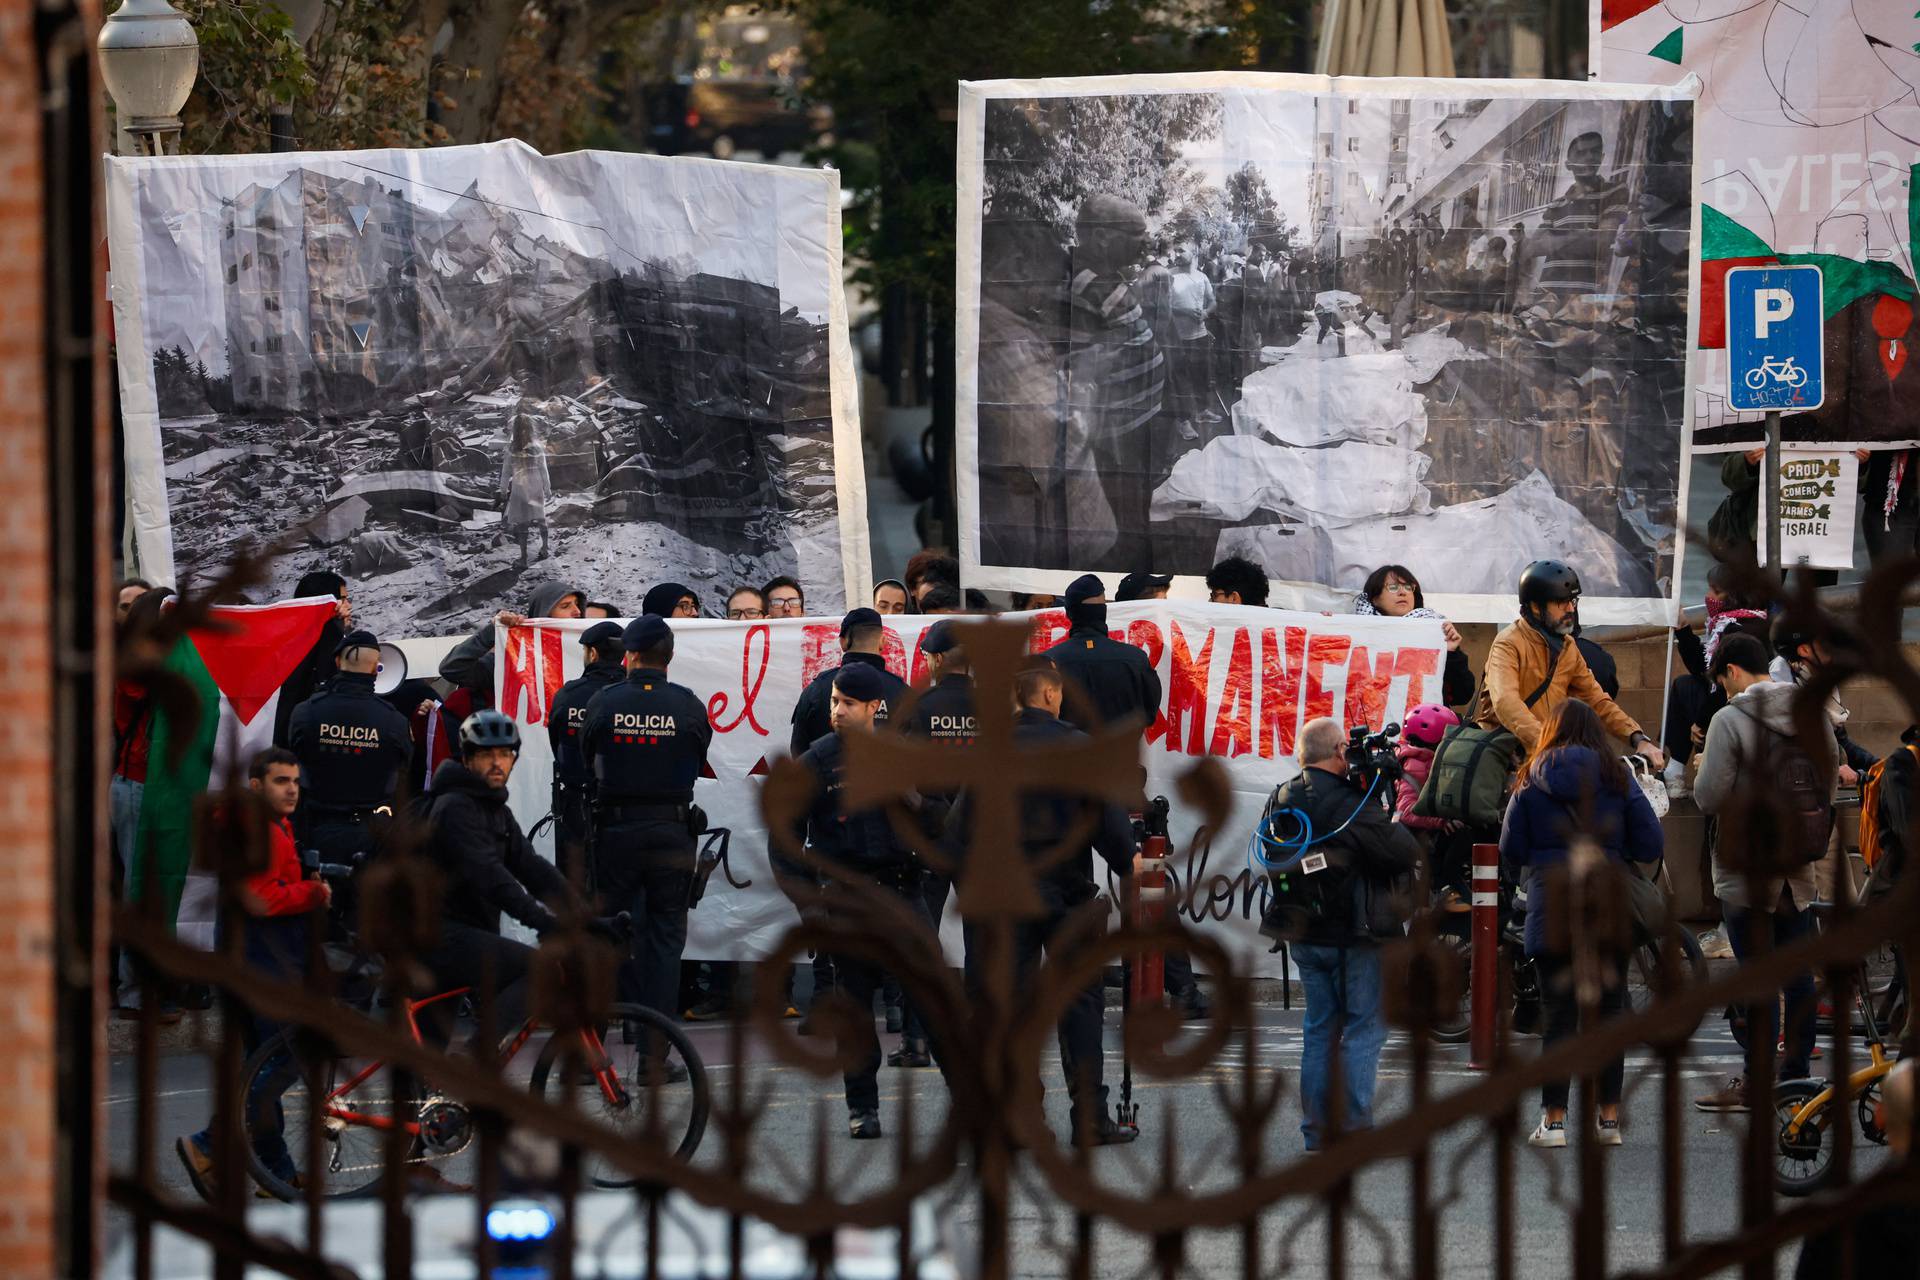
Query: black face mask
{"points": [[1087, 614]]}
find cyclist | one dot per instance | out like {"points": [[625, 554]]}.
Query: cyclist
{"points": [[491, 869]]}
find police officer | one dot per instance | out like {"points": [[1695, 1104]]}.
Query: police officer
{"points": [[354, 748], [644, 745], [1065, 886], [861, 636], [864, 841], [1107, 682], [602, 643]]}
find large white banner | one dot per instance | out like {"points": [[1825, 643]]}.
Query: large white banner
{"points": [[1239, 683], [1326, 325], [1807, 140], [455, 374]]}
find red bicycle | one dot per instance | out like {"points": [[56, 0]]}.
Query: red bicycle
{"points": [[294, 1085]]}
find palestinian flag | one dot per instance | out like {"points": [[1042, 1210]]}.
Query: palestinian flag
{"points": [[237, 666], [1725, 244]]}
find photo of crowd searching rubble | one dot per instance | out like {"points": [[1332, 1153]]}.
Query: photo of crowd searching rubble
{"points": [[450, 399], [1333, 331]]}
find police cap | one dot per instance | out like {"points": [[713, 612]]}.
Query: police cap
{"points": [[858, 618], [648, 631], [1084, 588], [939, 638], [860, 682], [1136, 585], [601, 635]]}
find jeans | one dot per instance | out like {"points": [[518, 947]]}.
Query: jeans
{"points": [[1784, 925], [1563, 1020], [264, 1091], [1343, 1004], [123, 808]]}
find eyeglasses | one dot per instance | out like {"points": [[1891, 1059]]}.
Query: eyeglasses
{"points": [[745, 615], [784, 603], [1217, 597]]}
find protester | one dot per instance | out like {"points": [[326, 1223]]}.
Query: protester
{"points": [[1573, 783], [784, 599], [354, 749], [746, 604], [601, 609], [1143, 586], [1108, 683], [316, 668], [1237, 580], [862, 841], [1890, 492], [1391, 591], [890, 597], [1801, 650], [1753, 753], [274, 942], [671, 600], [602, 645], [1449, 846], [125, 592], [126, 790], [1066, 885], [1338, 954], [1692, 699], [1531, 668], [941, 598], [644, 819], [928, 568], [1731, 528], [469, 664]]}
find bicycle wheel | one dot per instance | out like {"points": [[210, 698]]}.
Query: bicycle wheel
{"points": [[294, 1086], [618, 1093], [1803, 1162], [1646, 977]]}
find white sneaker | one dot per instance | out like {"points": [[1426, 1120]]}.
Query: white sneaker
{"points": [[1549, 1133], [1606, 1132], [1675, 776]]}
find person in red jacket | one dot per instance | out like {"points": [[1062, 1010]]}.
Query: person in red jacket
{"points": [[276, 901]]}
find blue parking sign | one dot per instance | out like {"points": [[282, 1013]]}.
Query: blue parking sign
{"points": [[1775, 353]]}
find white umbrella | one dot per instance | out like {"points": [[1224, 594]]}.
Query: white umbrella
{"points": [[1384, 38]]}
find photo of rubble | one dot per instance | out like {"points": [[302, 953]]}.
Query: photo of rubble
{"points": [[1331, 331], [451, 396]]}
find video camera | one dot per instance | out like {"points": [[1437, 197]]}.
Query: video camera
{"points": [[1370, 755]]}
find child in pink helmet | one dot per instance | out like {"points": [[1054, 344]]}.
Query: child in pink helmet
{"points": [[1420, 735]]}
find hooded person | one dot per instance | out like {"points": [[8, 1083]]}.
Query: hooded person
{"points": [[317, 667], [1107, 682], [671, 600], [464, 665]]}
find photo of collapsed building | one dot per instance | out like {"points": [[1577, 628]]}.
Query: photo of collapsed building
{"points": [[1334, 331], [450, 399]]}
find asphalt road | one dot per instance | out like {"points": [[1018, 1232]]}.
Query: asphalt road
{"points": [[1293, 1236]]}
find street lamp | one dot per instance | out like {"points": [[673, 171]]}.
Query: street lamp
{"points": [[149, 57], [304, 17]]}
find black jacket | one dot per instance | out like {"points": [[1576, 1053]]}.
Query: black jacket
{"points": [[1606, 673], [1107, 681], [307, 679], [864, 840], [645, 740], [353, 746], [568, 715], [1371, 852], [1895, 819], [1456, 679], [467, 665], [944, 713], [1046, 817], [812, 715], [489, 865]]}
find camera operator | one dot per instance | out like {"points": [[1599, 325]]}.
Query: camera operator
{"points": [[1334, 910]]}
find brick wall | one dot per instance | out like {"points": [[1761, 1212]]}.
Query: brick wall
{"points": [[26, 709]]}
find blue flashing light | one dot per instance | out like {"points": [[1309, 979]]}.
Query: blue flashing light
{"points": [[519, 1222]]}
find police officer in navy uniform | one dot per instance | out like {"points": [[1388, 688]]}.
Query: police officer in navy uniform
{"points": [[645, 744], [863, 841], [861, 634], [1065, 886], [354, 748], [602, 643], [1107, 682]]}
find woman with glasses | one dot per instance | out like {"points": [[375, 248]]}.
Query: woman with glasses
{"points": [[1392, 591]]}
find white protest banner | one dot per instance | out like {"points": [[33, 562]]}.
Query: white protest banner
{"points": [[1238, 684], [1819, 491]]}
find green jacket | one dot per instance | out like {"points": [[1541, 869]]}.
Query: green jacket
{"points": [[1736, 518]]}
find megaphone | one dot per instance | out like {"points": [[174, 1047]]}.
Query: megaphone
{"points": [[392, 669]]}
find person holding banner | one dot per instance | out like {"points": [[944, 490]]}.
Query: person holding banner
{"points": [[645, 744], [1108, 683], [865, 842], [602, 644]]}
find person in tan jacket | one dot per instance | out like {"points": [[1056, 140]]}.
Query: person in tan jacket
{"points": [[1534, 666]]}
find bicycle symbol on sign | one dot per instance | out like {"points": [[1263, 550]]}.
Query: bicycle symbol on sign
{"points": [[1772, 370]]}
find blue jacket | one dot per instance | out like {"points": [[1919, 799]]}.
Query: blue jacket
{"points": [[1542, 817]]}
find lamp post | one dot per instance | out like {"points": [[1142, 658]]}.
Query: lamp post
{"points": [[149, 57], [304, 16]]}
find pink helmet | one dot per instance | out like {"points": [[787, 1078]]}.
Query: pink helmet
{"points": [[1427, 724]]}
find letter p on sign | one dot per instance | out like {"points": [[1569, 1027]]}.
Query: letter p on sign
{"points": [[1770, 305]]}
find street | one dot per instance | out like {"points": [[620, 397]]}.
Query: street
{"points": [[1293, 1235]]}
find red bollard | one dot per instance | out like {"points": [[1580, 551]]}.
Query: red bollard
{"points": [[1150, 908], [1485, 993]]}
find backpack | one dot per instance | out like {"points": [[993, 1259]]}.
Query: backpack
{"points": [[1870, 807], [1306, 891], [1801, 798], [1471, 769]]}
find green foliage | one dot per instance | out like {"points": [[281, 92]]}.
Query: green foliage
{"points": [[249, 61]]}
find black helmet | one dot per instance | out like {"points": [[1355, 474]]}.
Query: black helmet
{"points": [[484, 729], [1546, 581], [1794, 627]]}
